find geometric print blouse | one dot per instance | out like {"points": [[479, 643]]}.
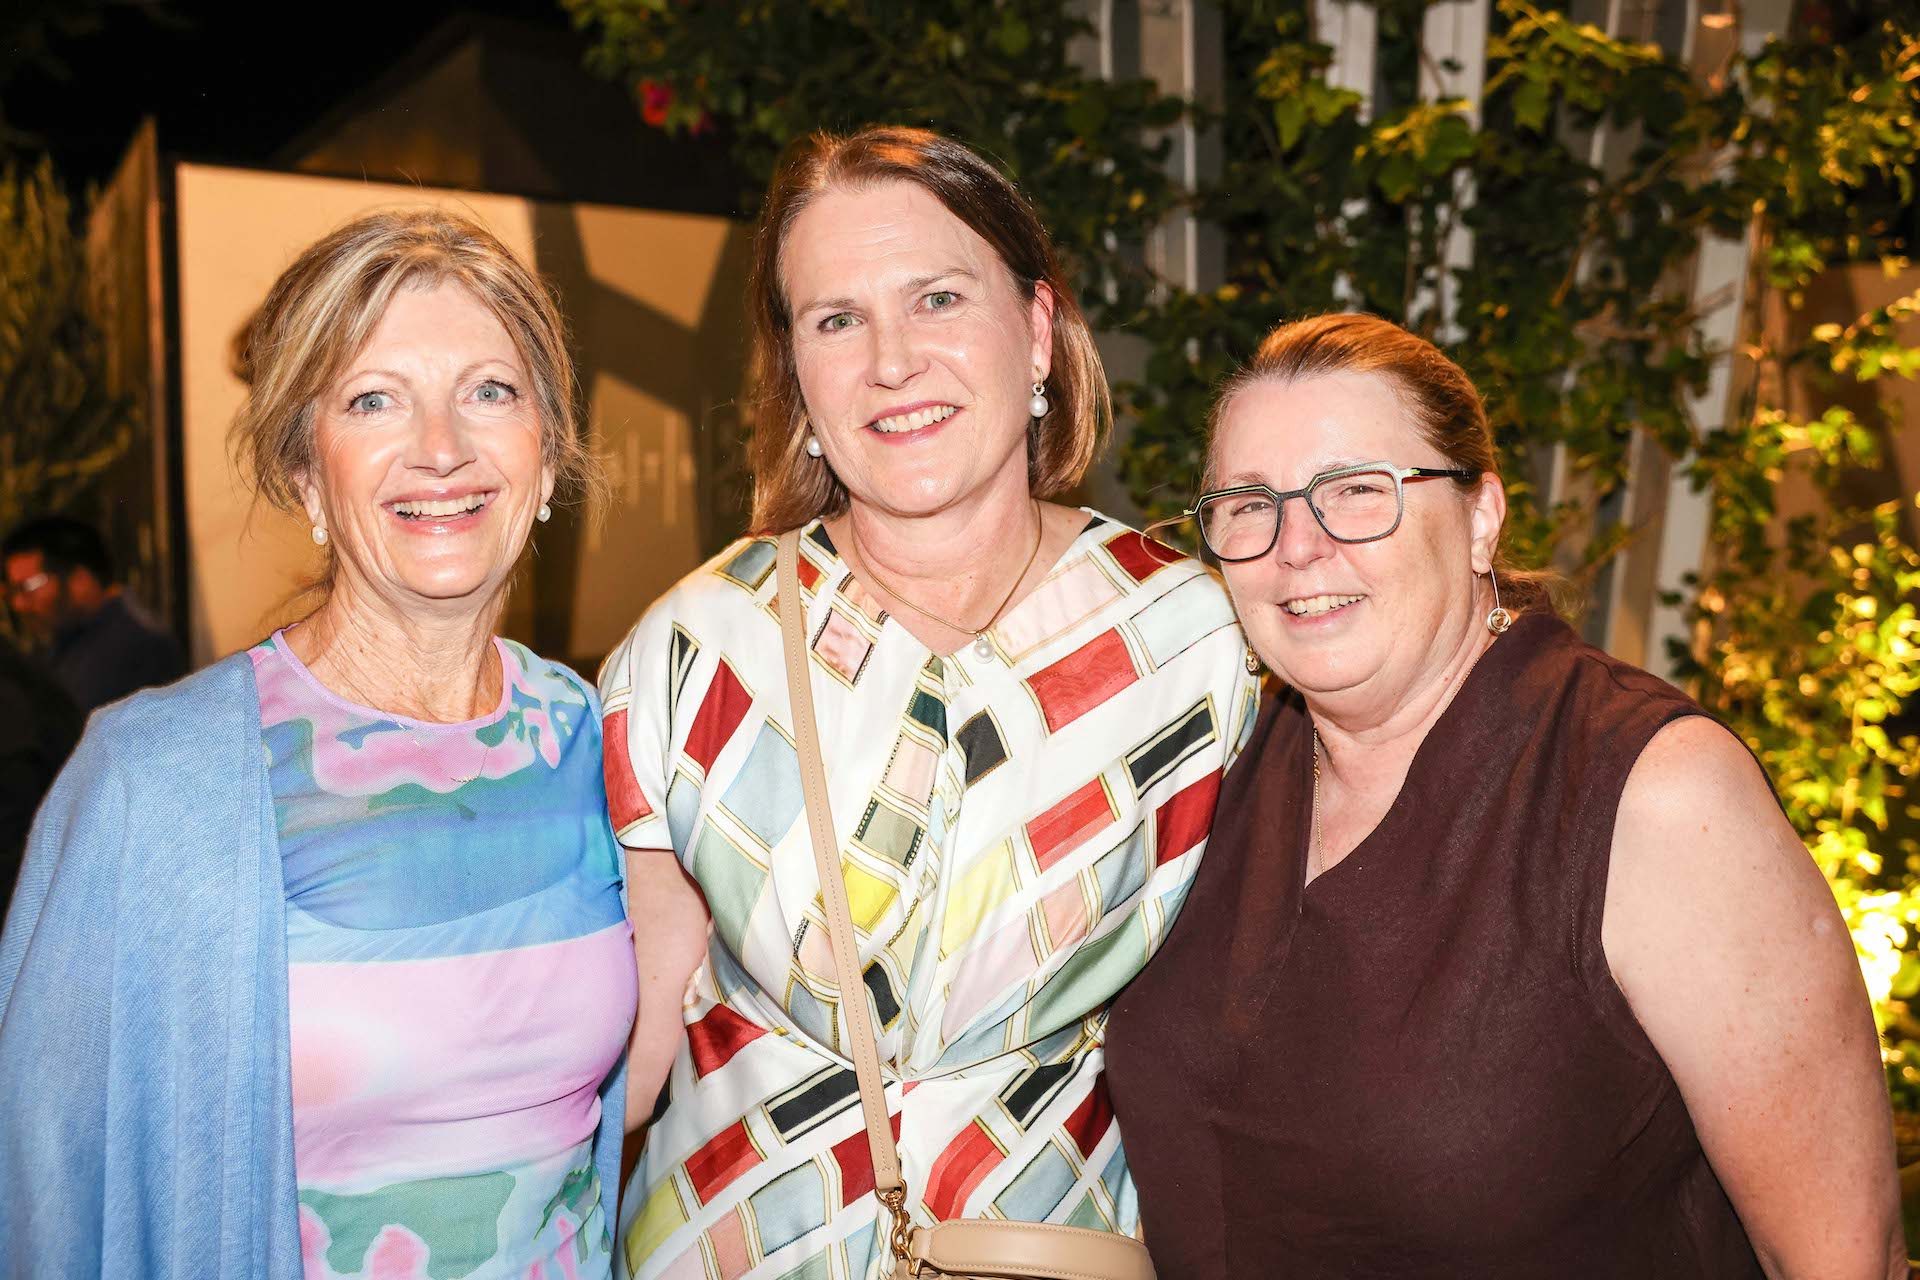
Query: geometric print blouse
{"points": [[1017, 832]]}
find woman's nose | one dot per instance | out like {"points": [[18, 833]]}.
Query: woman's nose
{"points": [[440, 442], [895, 357], [1300, 540]]}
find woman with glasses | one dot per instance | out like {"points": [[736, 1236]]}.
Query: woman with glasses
{"points": [[1503, 961]]}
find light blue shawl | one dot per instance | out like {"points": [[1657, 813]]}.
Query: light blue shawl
{"points": [[146, 1115]]}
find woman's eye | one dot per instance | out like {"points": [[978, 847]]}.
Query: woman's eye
{"points": [[1249, 507], [369, 402], [837, 321], [495, 393], [942, 300]]}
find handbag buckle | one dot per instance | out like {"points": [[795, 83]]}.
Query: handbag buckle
{"points": [[895, 1199]]}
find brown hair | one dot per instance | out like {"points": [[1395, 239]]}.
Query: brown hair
{"points": [[1445, 406], [791, 488], [323, 309]]}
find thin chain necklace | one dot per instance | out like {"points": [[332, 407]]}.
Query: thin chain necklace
{"points": [[1315, 854], [353, 693], [982, 646]]}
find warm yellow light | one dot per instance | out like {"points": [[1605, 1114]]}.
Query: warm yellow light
{"points": [[1716, 21]]}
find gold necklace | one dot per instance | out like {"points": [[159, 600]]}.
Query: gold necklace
{"points": [[1315, 853], [982, 646]]}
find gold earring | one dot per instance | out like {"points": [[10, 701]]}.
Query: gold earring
{"points": [[1498, 619], [1253, 662]]}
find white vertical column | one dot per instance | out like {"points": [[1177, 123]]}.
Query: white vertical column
{"points": [[1182, 49], [1453, 64], [1721, 269], [1352, 28]]}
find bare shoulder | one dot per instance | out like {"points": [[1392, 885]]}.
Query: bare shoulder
{"points": [[1725, 939], [1693, 771], [1700, 842]]}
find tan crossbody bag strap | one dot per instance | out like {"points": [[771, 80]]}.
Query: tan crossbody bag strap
{"points": [[978, 1247], [861, 1046]]}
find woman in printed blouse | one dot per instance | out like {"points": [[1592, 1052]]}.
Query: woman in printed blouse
{"points": [[319, 964], [1024, 711]]}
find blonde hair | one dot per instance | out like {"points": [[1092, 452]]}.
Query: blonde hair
{"points": [[323, 309], [1445, 406], [790, 487]]}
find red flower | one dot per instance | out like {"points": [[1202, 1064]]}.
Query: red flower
{"points": [[655, 98]]}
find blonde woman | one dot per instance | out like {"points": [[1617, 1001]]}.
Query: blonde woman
{"points": [[319, 963]]}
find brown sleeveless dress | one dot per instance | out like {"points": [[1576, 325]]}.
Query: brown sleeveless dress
{"points": [[1420, 1065]]}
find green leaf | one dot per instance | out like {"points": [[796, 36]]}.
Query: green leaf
{"points": [[1013, 35], [1531, 102]]}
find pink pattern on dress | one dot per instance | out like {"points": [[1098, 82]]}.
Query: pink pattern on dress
{"points": [[314, 1239], [397, 1254]]}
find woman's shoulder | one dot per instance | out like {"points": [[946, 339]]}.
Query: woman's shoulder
{"points": [[548, 679], [1169, 601], [163, 758], [178, 719], [731, 590], [1564, 682], [1145, 565], [734, 580]]}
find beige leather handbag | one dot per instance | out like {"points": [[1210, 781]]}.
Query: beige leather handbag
{"points": [[985, 1248]]}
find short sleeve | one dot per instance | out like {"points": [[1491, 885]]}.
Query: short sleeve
{"points": [[636, 730]]}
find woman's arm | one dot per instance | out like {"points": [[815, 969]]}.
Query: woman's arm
{"points": [[669, 942], [1728, 945]]}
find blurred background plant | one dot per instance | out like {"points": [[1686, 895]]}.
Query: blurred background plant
{"points": [[1572, 315], [63, 429]]}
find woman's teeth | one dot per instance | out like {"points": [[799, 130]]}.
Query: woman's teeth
{"points": [[440, 507], [1313, 606], [916, 420]]}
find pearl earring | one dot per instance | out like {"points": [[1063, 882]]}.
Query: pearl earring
{"points": [[813, 445], [1038, 406], [319, 535], [544, 514], [1498, 619]]}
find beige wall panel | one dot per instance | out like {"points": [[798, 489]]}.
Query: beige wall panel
{"points": [[239, 229], [650, 535]]}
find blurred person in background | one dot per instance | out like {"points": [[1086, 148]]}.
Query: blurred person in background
{"points": [[96, 639], [320, 964], [39, 724]]}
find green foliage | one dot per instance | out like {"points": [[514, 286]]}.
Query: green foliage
{"points": [[998, 75], [1573, 318], [59, 428]]}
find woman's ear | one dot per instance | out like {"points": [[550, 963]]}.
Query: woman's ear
{"points": [[309, 491], [1486, 515], [1040, 322]]}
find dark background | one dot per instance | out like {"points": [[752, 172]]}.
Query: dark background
{"points": [[228, 82]]}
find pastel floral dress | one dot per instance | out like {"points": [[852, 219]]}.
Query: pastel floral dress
{"points": [[1017, 831], [460, 976]]}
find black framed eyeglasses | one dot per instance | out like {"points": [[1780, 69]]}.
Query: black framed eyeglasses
{"points": [[1361, 503]]}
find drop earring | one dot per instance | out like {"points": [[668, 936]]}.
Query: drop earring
{"points": [[319, 535], [544, 514], [1039, 405], [1253, 662], [813, 445], [1498, 618]]}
